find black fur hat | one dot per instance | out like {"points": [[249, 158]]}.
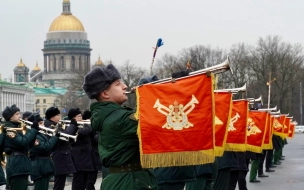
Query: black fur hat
{"points": [[86, 115], [8, 112], [73, 112], [35, 117], [180, 74], [99, 79], [146, 80], [26, 114], [51, 112]]}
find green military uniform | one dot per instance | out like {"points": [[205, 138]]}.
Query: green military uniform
{"points": [[225, 163], [42, 164], [119, 148], [175, 177], [18, 166], [2, 176], [204, 177], [254, 169], [278, 151]]}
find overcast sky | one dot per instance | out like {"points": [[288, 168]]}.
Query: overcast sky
{"points": [[128, 29]]}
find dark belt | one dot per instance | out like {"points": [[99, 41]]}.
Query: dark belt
{"points": [[125, 168], [42, 157], [19, 153], [80, 146]]}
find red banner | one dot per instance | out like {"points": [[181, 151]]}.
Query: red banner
{"points": [[267, 145], [176, 122], [286, 126], [257, 123], [223, 108], [291, 130], [278, 124], [236, 138]]}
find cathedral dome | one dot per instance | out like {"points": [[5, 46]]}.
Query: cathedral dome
{"points": [[66, 22], [21, 64], [99, 62], [37, 68]]}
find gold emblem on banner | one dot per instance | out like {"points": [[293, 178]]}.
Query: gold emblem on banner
{"points": [[217, 121], [277, 124], [176, 114], [252, 129], [232, 121]]}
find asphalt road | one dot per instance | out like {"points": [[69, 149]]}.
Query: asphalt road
{"points": [[288, 176]]}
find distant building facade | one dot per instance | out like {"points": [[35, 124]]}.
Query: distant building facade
{"points": [[48, 97], [66, 49], [21, 95]]}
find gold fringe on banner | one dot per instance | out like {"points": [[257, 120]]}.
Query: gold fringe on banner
{"points": [[267, 147], [136, 115], [235, 147], [252, 148], [177, 159], [282, 135], [218, 151]]}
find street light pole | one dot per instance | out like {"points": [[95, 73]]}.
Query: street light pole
{"points": [[269, 86]]}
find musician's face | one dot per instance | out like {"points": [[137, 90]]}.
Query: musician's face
{"points": [[40, 122], [78, 117], [115, 93], [56, 118], [16, 117]]}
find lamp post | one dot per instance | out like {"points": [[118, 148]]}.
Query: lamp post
{"points": [[269, 86]]}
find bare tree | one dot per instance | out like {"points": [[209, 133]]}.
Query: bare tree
{"points": [[131, 75]]}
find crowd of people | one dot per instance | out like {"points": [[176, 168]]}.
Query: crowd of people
{"points": [[110, 144]]}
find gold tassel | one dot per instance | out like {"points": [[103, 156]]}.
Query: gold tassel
{"points": [[177, 159], [235, 147], [252, 148]]}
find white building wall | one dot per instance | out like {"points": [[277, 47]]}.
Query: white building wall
{"points": [[24, 98]]}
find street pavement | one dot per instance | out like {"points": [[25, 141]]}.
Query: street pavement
{"points": [[289, 175]]}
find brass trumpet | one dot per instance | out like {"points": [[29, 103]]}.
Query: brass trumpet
{"points": [[47, 131], [80, 124], [67, 137]]}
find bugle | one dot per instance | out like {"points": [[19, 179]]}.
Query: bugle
{"points": [[268, 109], [275, 113], [260, 99], [219, 68], [67, 137], [233, 90]]}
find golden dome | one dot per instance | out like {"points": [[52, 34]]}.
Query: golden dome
{"points": [[21, 64], [66, 22], [66, 1], [37, 68], [99, 62]]}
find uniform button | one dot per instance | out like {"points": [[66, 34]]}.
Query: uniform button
{"points": [[149, 187], [136, 179]]}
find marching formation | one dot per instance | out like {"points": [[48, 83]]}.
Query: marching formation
{"points": [[183, 134]]}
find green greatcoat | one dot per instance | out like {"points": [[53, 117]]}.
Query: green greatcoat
{"points": [[18, 164], [40, 154], [2, 176], [118, 145]]}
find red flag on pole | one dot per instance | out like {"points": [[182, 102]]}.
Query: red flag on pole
{"points": [[176, 122], [223, 108], [236, 138]]}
